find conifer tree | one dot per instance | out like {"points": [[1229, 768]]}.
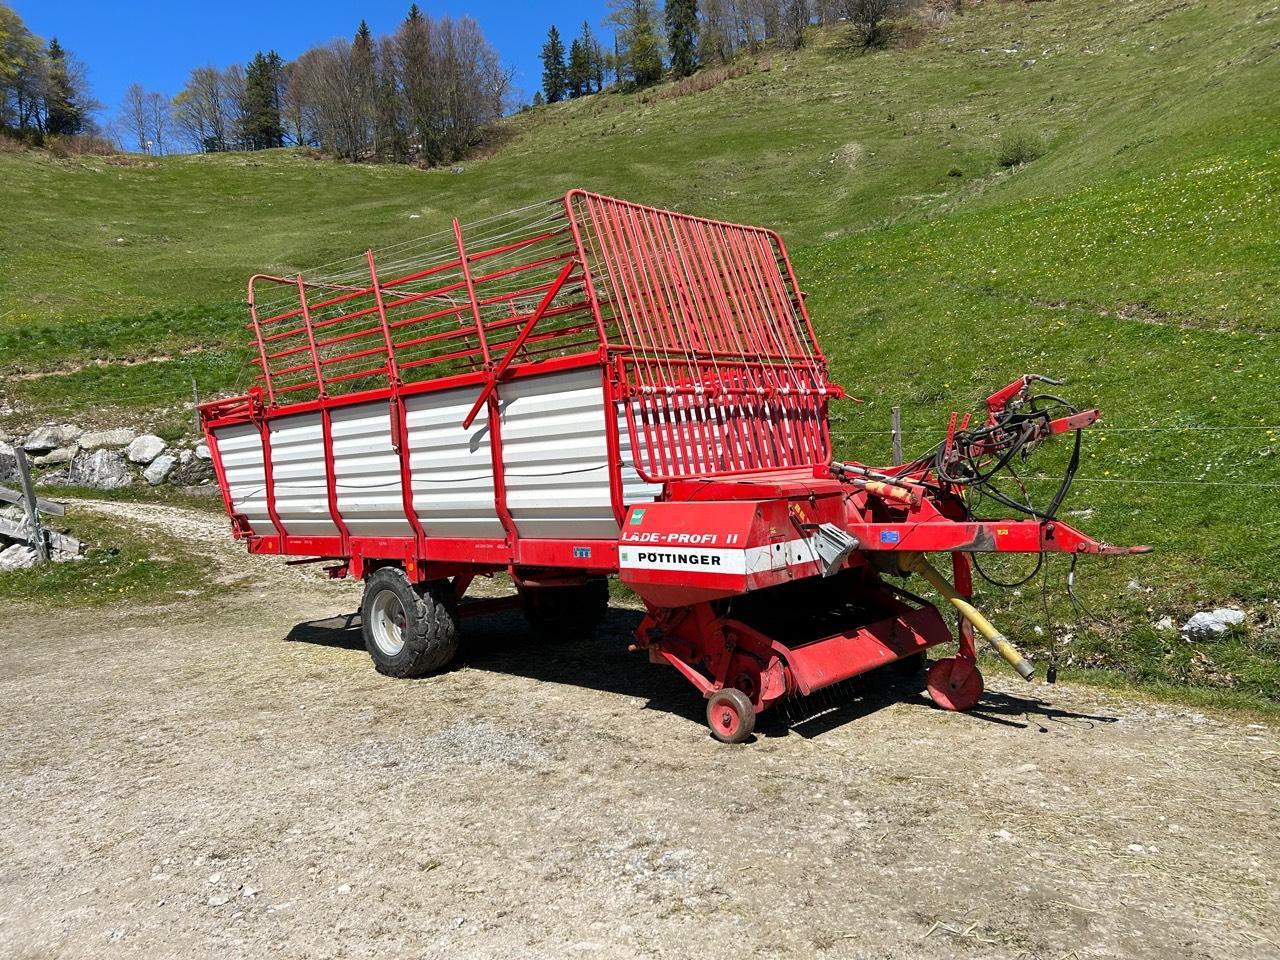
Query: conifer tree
{"points": [[364, 77], [579, 68], [63, 115], [682, 36], [554, 71], [640, 48], [260, 121]]}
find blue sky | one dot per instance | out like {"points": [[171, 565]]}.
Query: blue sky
{"points": [[156, 44]]}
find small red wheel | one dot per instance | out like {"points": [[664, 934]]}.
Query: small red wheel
{"points": [[730, 715], [955, 684]]}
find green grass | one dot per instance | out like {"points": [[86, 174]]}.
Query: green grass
{"points": [[1138, 257], [121, 565]]}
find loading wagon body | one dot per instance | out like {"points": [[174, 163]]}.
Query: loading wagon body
{"points": [[584, 388]]}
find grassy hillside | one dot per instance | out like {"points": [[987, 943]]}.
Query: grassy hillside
{"points": [[1139, 257]]}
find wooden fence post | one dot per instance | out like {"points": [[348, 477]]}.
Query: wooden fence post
{"points": [[29, 503]]}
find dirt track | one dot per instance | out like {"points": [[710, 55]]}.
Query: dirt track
{"points": [[225, 778]]}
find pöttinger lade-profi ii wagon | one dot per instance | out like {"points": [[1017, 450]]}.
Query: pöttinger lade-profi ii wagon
{"points": [[591, 387]]}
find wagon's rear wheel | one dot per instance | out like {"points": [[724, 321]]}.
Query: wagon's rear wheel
{"points": [[566, 612], [409, 630]]}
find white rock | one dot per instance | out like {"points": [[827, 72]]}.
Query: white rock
{"points": [[202, 452], [159, 470], [17, 557], [1133, 586], [185, 456], [116, 438], [249, 892], [145, 448], [1207, 625], [214, 878], [1164, 624], [50, 437], [344, 889], [54, 457], [219, 900], [100, 470]]}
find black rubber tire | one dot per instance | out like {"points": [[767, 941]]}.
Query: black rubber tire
{"points": [[566, 613], [738, 704], [430, 629]]}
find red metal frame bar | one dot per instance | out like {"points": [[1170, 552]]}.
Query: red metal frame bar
{"points": [[492, 383]]}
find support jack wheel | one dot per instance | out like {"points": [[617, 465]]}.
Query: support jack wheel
{"points": [[730, 715], [955, 684]]}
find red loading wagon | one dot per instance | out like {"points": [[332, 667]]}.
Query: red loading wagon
{"points": [[591, 387]]}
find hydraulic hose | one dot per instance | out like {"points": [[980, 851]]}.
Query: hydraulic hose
{"points": [[916, 563]]}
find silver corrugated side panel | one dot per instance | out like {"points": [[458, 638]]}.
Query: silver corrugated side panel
{"points": [[240, 449], [451, 468], [297, 468], [555, 454], [367, 471], [634, 489]]}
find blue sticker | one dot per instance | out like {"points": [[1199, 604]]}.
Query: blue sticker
{"points": [[889, 536], [582, 553]]}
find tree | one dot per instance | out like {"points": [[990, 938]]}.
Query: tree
{"points": [[63, 113], [870, 20], [795, 19], [202, 110], [640, 54], [717, 35], [260, 123], [682, 36], [160, 121], [134, 117], [555, 77], [579, 70], [419, 82], [364, 75], [584, 54], [389, 139]]}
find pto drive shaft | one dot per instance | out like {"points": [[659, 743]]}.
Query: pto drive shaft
{"points": [[915, 562]]}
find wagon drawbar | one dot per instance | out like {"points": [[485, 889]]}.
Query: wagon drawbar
{"points": [[590, 387]]}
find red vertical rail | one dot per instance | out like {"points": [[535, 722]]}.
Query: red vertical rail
{"points": [[262, 352], [494, 407], [311, 336], [269, 481], [398, 418], [471, 290], [331, 480]]}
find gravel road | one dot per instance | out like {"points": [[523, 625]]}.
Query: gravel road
{"points": [[229, 777]]}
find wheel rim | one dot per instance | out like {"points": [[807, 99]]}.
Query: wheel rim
{"points": [[387, 621], [953, 687], [725, 719]]}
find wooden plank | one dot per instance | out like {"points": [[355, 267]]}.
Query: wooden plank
{"points": [[59, 541], [46, 506], [29, 504]]}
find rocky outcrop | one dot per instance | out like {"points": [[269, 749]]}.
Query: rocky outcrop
{"points": [[159, 470], [142, 450], [100, 470], [115, 439], [50, 437]]}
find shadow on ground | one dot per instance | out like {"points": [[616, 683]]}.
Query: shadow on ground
{"points": [[503, 643]]}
